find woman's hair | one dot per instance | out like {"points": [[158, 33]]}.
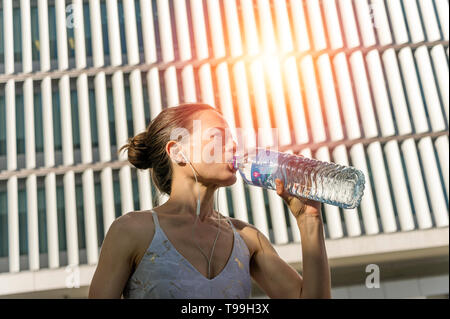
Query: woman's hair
{"points": [[148, 149]]}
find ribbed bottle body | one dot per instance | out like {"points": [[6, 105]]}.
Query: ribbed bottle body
{"points": [[325, 182]]}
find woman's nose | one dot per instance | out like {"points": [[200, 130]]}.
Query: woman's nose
{"points": [[234, 147]]}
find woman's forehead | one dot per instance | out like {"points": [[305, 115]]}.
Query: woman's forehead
{"points": [[211, 119]]}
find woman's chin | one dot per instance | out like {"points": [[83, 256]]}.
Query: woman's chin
{"points": [[229, 181]]}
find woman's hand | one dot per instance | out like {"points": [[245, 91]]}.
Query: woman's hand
{"points": [[298, 206], [316, 271]]}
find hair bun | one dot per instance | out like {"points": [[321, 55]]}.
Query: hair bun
{"points": [[138, 151]]}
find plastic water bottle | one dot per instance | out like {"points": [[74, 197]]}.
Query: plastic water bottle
{"points": [[325, 182]]}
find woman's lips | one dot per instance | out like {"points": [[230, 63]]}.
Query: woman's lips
{"points": [[231, 167]]}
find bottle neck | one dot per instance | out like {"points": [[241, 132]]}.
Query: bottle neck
{"points": [[237, 162]]}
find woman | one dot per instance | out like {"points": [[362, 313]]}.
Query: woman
{"points": [[171, 252]]}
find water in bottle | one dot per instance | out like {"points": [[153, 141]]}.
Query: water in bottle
{"points": [[325, 182]]}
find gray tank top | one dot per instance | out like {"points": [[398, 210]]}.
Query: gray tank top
{"points": [[164, 273]]}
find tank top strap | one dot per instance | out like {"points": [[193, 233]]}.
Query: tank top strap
{"points": [[231, 223], [155, 220]]}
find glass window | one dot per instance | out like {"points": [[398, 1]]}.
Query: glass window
{"points": [[176, 51], [123, 42], [17, 35], [75, 124], [180, 85], [61, 216], [38, 129], [3, 225], [35, 33], [23, 231], [2, 124], [20, 125], [197, 83], [146, 104], [80, 216], [70, 35], [87, 29], [2, 48], [111, 114], [136, 202], [117, 205], [162, 86], [248, 203], [104, 28], [156, 28], [99, 210], [93, 117], [57, 134], [42, 221], [128, 110], [52, 33], [139, 26], [191, 30], [229, 202]]}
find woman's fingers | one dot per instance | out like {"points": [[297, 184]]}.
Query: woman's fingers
{"points": [[297, 205], [281, 191], [280, 187]]}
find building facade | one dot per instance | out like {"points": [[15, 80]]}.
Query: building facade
{"points": [[355, 82]]}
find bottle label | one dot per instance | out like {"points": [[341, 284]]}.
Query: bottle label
{"points": [[263, 168]]}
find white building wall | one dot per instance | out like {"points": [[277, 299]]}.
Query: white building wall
{"points": [[354, 75]]}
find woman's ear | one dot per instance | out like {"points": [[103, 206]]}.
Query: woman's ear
{"points": [[176, 153]]}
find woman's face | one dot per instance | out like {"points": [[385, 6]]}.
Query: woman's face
{"points": [[210, 148]]}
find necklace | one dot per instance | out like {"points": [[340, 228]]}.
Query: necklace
{"points": [[214, 244], [195, 224]]}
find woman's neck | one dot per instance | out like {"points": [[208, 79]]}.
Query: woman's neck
{"points": [[183, 199]]}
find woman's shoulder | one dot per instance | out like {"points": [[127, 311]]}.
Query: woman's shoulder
{"points": [[243, 226], [249, 233], [135, 220], [138, 228], [134, 225]]}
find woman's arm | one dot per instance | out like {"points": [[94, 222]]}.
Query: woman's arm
{"points": [[277, 278], [316, 271], [115, 261]]}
